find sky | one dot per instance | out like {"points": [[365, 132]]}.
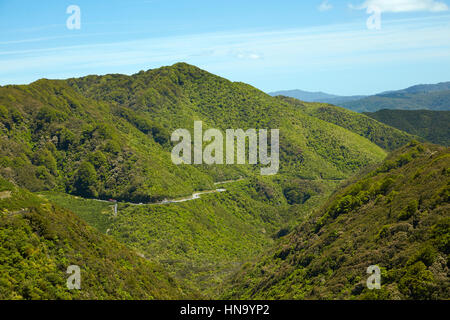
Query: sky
{"points": [[344, 47]]}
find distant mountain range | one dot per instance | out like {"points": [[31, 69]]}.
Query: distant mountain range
{"points": [[423, 96], [316, 96]]}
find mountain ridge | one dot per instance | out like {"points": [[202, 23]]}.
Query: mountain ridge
{"points": [[421, 96]]}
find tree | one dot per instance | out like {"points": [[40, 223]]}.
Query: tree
{"points": [[86, 180]]}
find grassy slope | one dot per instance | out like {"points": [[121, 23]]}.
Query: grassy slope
{"points": [[396, 216], [39, 240], [430, 125]]}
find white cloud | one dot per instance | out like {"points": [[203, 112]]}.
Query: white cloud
{"points": [[248, 55], [403, 5], [325, 6]]}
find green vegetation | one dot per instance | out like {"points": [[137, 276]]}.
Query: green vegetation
{"points": [[40, 240], [432, 126], [395, 216], [382, 135], [109, 136], [205, 240], [77, 141], [98, 214]]}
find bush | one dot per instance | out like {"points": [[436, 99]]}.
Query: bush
{"points": [[426, 255], [417, 282]]}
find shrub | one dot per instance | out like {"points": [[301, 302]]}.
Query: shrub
{"points": [[417, 282]]}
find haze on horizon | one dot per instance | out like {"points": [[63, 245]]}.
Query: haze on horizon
{"points": [[314, 46]]}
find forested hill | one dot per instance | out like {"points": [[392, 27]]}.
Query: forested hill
{"points": [[385, 136], [39, 241], [433, 126], [109, 136], [396, 216]]}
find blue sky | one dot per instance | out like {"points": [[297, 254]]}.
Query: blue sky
{"points": [[273, 45]]}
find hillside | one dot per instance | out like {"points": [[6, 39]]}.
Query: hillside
{"points": [[396, 216], [109, 136], [39, 240], [432, 126], [382, 135]]}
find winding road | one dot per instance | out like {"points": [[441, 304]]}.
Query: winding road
{"points": [[194, 196]]}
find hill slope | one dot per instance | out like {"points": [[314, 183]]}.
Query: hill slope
{"points": [[39, 240], [382, 135], [396, 216], [109, 136], [434, 126]]}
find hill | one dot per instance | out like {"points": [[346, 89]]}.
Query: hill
{"points": [[205, 240], [109, 136], [395, 216], [39, 241], [432, 126], [382, 135], [424, 88]]}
